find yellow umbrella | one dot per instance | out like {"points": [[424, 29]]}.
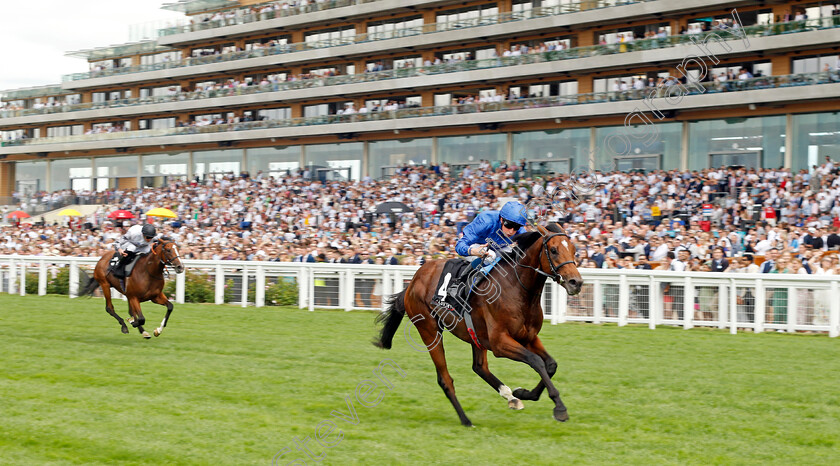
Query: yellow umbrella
{"points": [[70, 213], [161, 212]]}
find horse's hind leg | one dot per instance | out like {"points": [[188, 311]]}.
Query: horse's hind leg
{"points": [[505, 346], [550, 366], [427, 327], [480, 367], [163, 301], [109, 305]]}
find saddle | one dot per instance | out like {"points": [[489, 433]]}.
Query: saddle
{"points": [[451, 300], [122, 267]]}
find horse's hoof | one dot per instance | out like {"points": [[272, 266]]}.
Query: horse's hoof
{"points": [[124, 329], [561, 415], [467, 423], [516, 404], [146, 335], [521, 393], [157, 332]]}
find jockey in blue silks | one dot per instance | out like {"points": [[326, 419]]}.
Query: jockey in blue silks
{"points": [[491, 230]]}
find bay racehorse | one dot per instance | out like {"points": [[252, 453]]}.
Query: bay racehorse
{"points": [[506, 323], [145, 283]]}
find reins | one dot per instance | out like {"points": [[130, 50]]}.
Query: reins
{"points": [[555, 274]]}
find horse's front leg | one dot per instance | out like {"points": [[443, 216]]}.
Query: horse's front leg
{"points": [[137, 320], [480, 367], [163, 301], [537, 348], [505, 346]]}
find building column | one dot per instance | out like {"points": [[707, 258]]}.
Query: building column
{"points": [[684, 146], [48, 181], [435, 150], [92, 175], [509, 149], [190, 168], [302, 158], [7, 179], [365, 159], [789, 141], [593, 146], [139, 171], [244, 166]]}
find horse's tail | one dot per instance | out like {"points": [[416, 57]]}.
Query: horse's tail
{"points": [[88, 284], [393, 315]]}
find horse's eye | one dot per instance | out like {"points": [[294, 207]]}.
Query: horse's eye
{"points": [[554, 250]]}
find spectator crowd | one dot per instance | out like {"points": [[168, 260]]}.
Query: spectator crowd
{"points": [[707, 220]]}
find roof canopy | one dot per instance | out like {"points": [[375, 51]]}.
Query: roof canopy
{"points": [[197, 6], [119, 50]]}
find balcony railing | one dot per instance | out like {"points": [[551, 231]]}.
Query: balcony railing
{"points": [[357, 39], [764, 82], [557, 55]]}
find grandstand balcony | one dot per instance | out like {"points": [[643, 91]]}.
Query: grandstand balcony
{"points": [[508, 24], [769, 90], [569, 62]]}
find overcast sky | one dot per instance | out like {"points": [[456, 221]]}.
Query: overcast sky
{"points": [[36, 34]]}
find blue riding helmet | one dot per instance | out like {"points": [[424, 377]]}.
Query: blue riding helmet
{"points": [[514, 212]]}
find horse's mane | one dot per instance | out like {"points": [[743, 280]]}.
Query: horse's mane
{"points": [[525, 240]]}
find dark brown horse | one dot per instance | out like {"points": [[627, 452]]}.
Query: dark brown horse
{"points": [[507, 323], [145, 283]]}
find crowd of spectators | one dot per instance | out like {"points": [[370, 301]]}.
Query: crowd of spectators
{"points": [[709, 220]]}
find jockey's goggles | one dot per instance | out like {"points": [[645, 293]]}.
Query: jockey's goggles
{"points": [[511, 225]]}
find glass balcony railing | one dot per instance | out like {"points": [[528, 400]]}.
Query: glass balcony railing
{"points": [[708, 87], [357, 39], [557, 55]]}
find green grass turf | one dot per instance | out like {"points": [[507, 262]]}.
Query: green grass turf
{"points": [[227, 385]]}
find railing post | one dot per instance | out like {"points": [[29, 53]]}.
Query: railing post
{"points": [[310, 284], [220, 284], [834, 316], [792, 306], [74, 279], [733, 307], [688, 304], [760, 302], [597, 301], [723, 306], [623, 300], [244, 291], [654, 299], [303, 287], [22, 278], [398, 282], [12, 277], [42, 278], [180, 287], [386, 287], [259, 295], [349, 290], [558, 303]]}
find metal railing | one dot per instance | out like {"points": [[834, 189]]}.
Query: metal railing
{"points": [[357, 39], [764, 82], [760, 302]]}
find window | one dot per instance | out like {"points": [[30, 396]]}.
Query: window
{"points": [[386, 28], [553, 89], [165, 57], [157, 123], [346, 32], [324, 109], [815, 64], [59, 131], [465, 17], [275, 114]]}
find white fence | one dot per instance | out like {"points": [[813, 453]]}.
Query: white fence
{"points": [[759, 302]]}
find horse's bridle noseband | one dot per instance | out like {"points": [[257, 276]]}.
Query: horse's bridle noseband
{"points": [[168, 263], [555, 274]]}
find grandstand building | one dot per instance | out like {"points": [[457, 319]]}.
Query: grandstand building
{"points": [[345, 89]]}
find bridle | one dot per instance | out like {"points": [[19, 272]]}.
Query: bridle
{"points": [[168, 263], [555, 274]]}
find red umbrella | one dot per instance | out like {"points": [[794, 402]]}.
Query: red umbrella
{"points": [[18, 214], [121, 214]]}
